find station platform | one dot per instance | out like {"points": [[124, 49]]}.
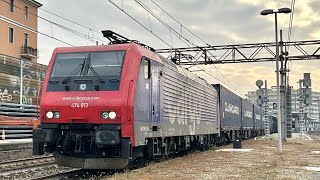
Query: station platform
{"points": [[14, 144]]}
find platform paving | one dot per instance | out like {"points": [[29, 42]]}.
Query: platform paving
{"points": [[299, 160]]}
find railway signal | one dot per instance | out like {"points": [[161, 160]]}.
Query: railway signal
{"points": [[262, 101]]}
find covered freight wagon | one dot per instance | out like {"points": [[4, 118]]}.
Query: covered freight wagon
{"points": [[258, 123], [230, 112], [247, 118]]}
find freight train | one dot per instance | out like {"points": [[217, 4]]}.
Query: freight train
{"points": [[104, 107]]}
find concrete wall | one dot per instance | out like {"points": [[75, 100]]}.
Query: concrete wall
{"points": [[33, 74]]}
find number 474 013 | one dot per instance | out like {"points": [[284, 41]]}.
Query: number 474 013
{"points": [[79, 105]]}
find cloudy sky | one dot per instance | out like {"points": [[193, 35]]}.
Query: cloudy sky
{"points": [[217, 22]]}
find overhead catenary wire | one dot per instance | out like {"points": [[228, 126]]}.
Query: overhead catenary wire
{"points": [[54, 14], [73, 22], [179, 35], [41, 33], [186, 41], [171, 29], [291, 20], [181, 25], [290, 26], [82, 35], [140, 23]]}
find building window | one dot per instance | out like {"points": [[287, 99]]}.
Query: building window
{"points": [[10, 35], [25, 41], [12, 6], [26, 12]]}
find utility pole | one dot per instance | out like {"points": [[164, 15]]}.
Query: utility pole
{"points": [[282, 89], [278, 88], [285, 93], [21, 80]]}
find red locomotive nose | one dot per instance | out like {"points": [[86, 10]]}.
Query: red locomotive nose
{"points": [[103, 108]]}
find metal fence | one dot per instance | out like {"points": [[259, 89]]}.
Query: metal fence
{"points": [[20, 80]]}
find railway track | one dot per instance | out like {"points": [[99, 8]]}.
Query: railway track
{"points": [[15, 154], [77, 174], [25, 163], [68, 174], [43, 167]]}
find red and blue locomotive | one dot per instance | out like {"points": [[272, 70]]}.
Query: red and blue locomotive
{"points": [[103, 107]]}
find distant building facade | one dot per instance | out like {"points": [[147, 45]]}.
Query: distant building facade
{"points": [[313, 111], [18, 29]]}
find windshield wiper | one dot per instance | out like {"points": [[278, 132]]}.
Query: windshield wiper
{"points": [[74, 71], [53, 81], [82, 81], [96, 74], [114, 80]]}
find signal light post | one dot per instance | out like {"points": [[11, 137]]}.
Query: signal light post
{"points": [[275, 12], [262, 102]]}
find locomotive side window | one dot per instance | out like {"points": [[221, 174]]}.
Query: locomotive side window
{"points": [[146, 66]]}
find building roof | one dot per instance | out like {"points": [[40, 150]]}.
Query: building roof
{"points": [[35, 3]]}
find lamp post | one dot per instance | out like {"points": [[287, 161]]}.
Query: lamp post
{"points": [[275, 12]]}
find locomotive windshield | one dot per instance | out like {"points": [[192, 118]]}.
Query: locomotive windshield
{"points": [[66, 62], [106, 63], [87, 67]]}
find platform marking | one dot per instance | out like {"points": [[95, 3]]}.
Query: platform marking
{"points": [[262, 138], [234, 150], [307, 137], [312, 168]]}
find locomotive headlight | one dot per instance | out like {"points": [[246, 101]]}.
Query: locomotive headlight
{"points": [[104, 115], [53, 114], [108, 115], [112, 115], [49, 114], [56, 114]]}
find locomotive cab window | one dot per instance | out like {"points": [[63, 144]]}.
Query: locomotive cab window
{"points": [[107, 64], [64, 64], [146, 68]]}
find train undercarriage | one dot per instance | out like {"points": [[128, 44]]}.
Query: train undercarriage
{"points": [[101, 147]]}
